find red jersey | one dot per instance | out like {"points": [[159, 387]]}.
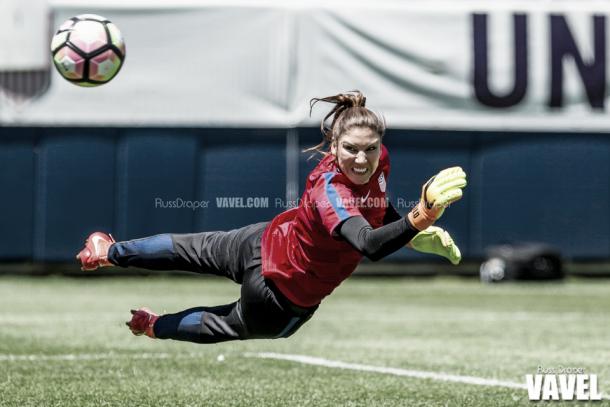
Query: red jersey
{"points": [[301, 252]]}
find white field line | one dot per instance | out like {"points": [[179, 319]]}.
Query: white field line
{"points": [[419, 374], [307, 360], [445, 377], [92, 356]]}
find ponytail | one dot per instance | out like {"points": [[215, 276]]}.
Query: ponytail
{"points": [[349, 111]]}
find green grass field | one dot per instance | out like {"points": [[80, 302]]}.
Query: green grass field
{"points": [[63, 343]]}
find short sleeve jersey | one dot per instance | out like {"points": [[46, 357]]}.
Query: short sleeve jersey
{"points": [[301, 251]]}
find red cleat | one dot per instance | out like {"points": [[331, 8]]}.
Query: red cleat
{"points": [[95, 253], [142, 322]]}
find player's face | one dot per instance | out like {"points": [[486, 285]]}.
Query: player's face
{"points": [[358, 151]]}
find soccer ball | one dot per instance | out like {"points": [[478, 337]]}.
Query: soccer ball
{"points": [[88, 50]]}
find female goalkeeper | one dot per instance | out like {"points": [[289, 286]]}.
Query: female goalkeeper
{"points": [[287, 266]]}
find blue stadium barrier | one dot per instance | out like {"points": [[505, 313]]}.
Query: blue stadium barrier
{"points": [[154, 166], [17, 189], [67, 161], [545, 187], [242, 164]]}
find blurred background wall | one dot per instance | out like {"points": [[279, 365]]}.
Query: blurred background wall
{"points": [[211, 112]]}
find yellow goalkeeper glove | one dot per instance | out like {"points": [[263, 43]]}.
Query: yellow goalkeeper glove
{"points": [[437, 241], [438, 193]]}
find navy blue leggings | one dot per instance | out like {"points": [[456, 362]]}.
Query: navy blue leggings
{"points": [[261, 311]]}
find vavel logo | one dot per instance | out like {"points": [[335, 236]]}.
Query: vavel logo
{"points": [[563, 383]]}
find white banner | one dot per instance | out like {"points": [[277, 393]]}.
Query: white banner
{"points": [[520, 65], [24, 27]]}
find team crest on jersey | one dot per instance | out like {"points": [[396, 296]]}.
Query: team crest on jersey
{"points": [[381, 181]]}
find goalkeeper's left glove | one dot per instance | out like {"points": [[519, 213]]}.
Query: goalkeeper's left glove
{"points": [[437, 241], [437, 194]]}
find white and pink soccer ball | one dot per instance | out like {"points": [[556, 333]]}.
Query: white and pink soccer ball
{"points": [[88, 50]]}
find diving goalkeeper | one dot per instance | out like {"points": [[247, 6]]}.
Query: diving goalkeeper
{"points": [[287, 266]]}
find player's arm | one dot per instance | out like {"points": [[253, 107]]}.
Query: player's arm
{"points": [[437, 194], [433, 240], [391, 214], [375, 244]]}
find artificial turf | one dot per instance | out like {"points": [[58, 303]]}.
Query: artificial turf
{"points": [[63, 342]]}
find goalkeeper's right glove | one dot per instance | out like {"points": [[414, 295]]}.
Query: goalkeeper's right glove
{"points": [[438, 193], [435, 240]]}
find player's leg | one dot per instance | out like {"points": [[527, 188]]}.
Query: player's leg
{"points": [[266, 311], [261, 312], [221, 253], [95, 252], [199, 325]]}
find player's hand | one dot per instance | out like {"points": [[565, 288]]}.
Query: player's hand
{"points": [[437, 194], [437, 241]]}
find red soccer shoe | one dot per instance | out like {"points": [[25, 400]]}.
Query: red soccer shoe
{"points": [[95, 253], [142, 322]]}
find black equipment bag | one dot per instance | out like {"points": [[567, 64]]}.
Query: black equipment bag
{"points": [[522, 261]]}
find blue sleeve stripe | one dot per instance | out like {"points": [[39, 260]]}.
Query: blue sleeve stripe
{"points": [[333, 197]]}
